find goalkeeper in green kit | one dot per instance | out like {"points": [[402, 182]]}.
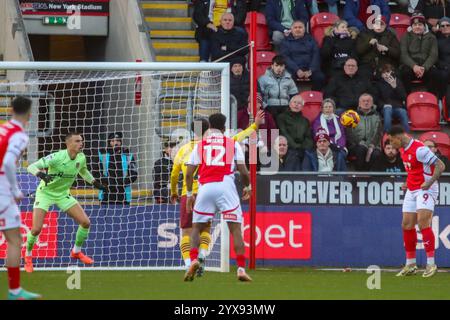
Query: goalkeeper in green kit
{"points": [[62, 168]]}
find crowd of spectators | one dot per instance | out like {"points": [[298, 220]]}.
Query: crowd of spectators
{"points": [[360, 65]]}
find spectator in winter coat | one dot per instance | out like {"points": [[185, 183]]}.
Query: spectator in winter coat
{"points": [[376, 47], [391, 98], [302, 56], [280, 14], [207, 15], [295, 127], [277, 87], [329, 121], [346, 88], [419, 53], [286, 158], [161, 174], [228, 39], [357, 12], [323, 158], [339, 44], [239, 82], [363, 142]]}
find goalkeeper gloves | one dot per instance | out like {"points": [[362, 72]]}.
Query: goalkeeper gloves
{"points": [[45, 177], [99, 185]]}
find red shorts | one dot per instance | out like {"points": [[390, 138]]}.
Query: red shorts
{"points": [[185, 218]]}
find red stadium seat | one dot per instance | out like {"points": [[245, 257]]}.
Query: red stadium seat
{"points": [[441, 139], [319, 22], [423, 111], [313, 103], [445, 108], [400, 23], [262, 31], [263, 61]]}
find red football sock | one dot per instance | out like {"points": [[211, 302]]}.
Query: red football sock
{"points": [[193, 253], [410, 241], [14, 277], [428, 241], [240, 260]]}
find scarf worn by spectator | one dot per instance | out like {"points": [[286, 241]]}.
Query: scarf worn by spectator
{"points": [[323, 124]]}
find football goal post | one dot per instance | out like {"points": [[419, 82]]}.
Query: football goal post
{"points": [[148, 107]]}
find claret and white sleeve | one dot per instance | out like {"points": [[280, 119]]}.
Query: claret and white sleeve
{"points": [[16, 145]]}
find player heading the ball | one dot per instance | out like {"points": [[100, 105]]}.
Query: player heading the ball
{"points": [[423, 170], [216, 157], [62, 169]]}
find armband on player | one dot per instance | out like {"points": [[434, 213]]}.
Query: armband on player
{"points": [[188, 193], [45, 177], [248, 188]]}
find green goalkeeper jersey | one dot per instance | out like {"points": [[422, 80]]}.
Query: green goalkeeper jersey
{"points": [[64, 171]]}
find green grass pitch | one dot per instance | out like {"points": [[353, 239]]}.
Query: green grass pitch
{"points": [[276, 283]]}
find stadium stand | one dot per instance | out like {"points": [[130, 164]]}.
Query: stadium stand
{"points": [[171, 30], [423, 111]]}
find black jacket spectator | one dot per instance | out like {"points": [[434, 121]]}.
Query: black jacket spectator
{"points": [[389, 160], [387, 95], [384, 164], [161, 175], [345, 89], [224, 42], [338, 45], [239, 82]]}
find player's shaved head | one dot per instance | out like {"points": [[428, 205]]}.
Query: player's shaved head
{"points": [[21, 105], [217, 121], [71, 134]]}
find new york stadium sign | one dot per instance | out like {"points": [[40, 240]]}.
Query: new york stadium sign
{"points": [[338, 190], [60, 7]]}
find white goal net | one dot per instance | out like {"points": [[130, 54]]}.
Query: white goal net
{"points": [[148, 108]]}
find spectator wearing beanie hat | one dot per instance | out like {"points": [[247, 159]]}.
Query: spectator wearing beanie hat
{"points": [[323, 158], [239, 82], [433, 10], [419, 54]]}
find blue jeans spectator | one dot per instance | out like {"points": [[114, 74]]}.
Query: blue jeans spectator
{"points": [[399, 113], [204, 48], [314, 8]]}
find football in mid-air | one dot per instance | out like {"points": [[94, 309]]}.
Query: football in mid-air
{"points": [[350, 119]]}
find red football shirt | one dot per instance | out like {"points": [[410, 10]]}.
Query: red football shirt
{"points": [[419, 163], [216, 155]]}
